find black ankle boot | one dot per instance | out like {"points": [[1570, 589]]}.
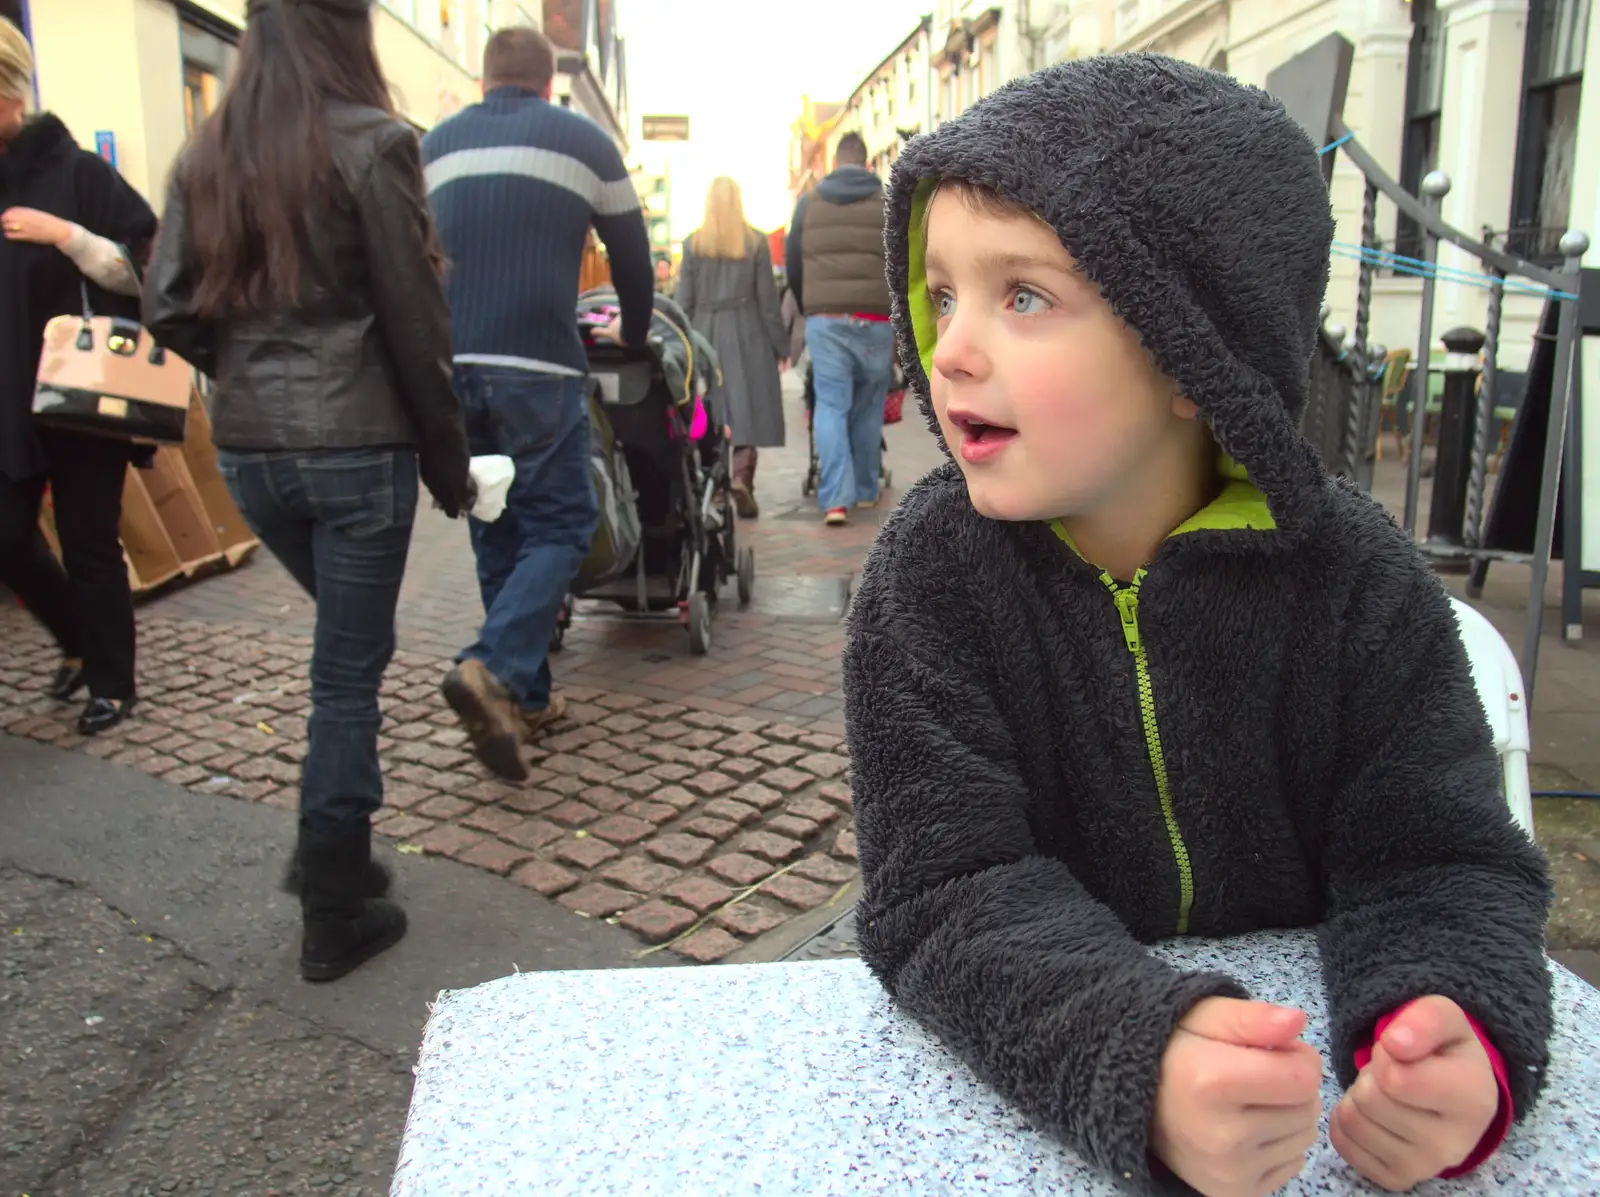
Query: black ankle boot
{"points": [[376, 885], [341, 927]]}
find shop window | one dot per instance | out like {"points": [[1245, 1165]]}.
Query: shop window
{"points": [[1547, 142], [207, 63], [201, 91], [1419, 146]]}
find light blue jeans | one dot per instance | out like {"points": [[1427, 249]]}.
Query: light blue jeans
{"points": [[852, 364]]}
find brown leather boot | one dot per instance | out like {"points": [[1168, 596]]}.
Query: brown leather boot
{"points": [[536, 722], [490, 718]]}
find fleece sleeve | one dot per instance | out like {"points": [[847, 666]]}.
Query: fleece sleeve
{"points": [[996, 949], [1432, 889]]}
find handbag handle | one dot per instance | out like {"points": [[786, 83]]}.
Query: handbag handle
{"points": [[85, 342]]}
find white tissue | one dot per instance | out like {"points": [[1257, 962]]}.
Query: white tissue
{"points": [[493, 476]]}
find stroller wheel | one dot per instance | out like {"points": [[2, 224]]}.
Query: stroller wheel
{"points": [[699, 624], [747, 575]]}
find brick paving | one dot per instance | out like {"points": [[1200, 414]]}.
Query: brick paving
{"points": [[698, 802], [701, 803]]}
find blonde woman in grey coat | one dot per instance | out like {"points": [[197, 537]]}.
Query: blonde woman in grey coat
{"points": [[726, 288]]}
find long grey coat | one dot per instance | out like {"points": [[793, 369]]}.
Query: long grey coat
{"points": [[734, 302]]}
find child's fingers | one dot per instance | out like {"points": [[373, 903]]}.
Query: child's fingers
{"points": [[1254, 1080], [1245, 1024], [1286, 1127], [1426, 1027], [1410, 1125], [1357, 1142]]}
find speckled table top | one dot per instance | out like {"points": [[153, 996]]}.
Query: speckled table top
{"points": [[801, 1079]]}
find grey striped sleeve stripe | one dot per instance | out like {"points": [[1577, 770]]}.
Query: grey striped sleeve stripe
{"points": [[563, 170]]}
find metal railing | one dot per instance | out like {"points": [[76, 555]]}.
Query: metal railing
{"points": [[1500, 270], [1540, 244]]}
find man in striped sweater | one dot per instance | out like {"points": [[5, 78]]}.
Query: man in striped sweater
{"points": [[516, 182]]}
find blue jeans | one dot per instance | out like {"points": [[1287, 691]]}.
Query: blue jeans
{"points": [[528, 557], [340, 522], [852, 364]]}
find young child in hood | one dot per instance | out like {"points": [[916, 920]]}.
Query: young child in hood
{"points": [[1133, 666]]}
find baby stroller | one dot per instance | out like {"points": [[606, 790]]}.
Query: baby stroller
{"points": [[662, 466], [892, 404]]}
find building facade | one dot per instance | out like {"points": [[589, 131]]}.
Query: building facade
{"points": [[811, 140], [1490, 91], [133, 77], [958, 53], [894, 102]]}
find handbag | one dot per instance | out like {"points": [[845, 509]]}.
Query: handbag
{"points": [[106, 375]]}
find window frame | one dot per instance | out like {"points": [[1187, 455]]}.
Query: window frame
{"points": [[1544, 84], [1422, 125]]}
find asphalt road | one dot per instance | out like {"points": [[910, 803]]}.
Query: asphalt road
{"points": [[154, 1035]]}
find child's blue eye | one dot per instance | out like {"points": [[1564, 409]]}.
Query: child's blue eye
{"points": [[944, 303], [1027, 303]]}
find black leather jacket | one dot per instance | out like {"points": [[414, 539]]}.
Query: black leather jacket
{"points": [[364, 359]]}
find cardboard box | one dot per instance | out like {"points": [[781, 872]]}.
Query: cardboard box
{"points": [[178, 519]]}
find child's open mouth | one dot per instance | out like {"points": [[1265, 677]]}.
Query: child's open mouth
{"points": [[980, 440]]}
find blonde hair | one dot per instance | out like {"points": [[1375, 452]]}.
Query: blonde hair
{"points": [[16, 63], [724, 233]]}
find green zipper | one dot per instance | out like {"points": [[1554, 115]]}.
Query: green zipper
{"points": [[1127, 600]]}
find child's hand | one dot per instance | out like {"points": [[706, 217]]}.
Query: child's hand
{"points": [[1239, 1098], [1424, 1101]]}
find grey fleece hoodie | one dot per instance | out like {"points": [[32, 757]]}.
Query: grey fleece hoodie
{"points": [[1273, 725]]}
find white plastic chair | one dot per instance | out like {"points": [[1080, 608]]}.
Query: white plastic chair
{"points": [[1499, 680]]}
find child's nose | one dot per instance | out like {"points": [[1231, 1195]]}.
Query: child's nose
{"points": [[959, 353]]}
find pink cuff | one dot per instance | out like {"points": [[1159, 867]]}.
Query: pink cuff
{"points": [[1498, 1128]]}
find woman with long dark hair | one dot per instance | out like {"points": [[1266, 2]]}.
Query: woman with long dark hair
{"points": [[72, 227], [298, 267]]}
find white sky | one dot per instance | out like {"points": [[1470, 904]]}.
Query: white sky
{"points": [[738, 68]]}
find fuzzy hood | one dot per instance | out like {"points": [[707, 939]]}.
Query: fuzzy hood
{"points": [[1196, 205]]}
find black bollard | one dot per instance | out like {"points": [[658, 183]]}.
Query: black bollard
{"points": [[1447, 510]]}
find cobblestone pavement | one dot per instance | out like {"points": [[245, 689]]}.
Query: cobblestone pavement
{"points": [[701, 803]]}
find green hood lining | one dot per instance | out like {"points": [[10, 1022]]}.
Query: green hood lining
{"points": [[924, 320], [1240, 507]]}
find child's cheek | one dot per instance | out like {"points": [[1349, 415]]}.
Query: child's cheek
{"points": [[1043, 391]]}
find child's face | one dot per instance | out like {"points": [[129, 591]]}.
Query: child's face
{"points": [[1048, 401]]}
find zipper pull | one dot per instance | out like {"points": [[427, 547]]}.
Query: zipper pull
{"points": [[1128, 608]]}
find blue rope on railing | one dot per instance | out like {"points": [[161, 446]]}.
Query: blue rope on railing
{"points": [[1418, 268]]}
